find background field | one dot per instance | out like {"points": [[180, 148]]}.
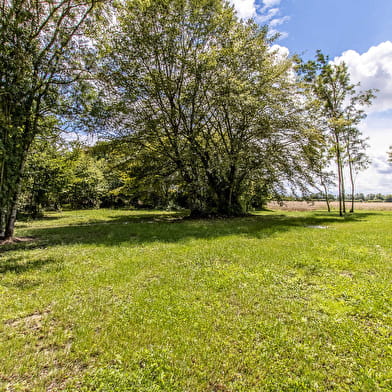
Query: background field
{"points": [[321, 205], [115, 300]]}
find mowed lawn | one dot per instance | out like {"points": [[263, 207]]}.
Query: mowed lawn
{"points": [[115, 300]]}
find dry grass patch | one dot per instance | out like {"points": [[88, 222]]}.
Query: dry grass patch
{"points": [[321, 205]]}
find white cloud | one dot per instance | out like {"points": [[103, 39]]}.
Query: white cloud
{"points": [[245, 8], [281, 52], [378, 128], [372, 69], [278, 21], [265, 18], [263, 12], [376, 179], [382, 166], [271, 3]]}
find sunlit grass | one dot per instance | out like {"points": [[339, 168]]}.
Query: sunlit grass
{"points": [[115, 300]]}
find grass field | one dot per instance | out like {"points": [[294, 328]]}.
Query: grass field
{"points": [[115, 300]]}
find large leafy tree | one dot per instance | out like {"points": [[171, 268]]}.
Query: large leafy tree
{"points": [[204, 97], [39, 40], [339, 105]]}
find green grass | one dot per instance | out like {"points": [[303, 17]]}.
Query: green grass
{"points": [[113, 300]]}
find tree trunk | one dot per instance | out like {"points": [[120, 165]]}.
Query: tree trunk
{"points": [[10, 226], [220, 201], [350, 165], [326, 195], [2, 224], [343, 190], [230, 207], [340, 185], [12, 211], [13, 183], [342, 208]]}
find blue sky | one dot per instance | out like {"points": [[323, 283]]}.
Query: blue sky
{"points": [[335, 26], [358, 32]]}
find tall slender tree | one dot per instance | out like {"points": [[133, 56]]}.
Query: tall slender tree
{"points": [[340, 106], [355, 157]]}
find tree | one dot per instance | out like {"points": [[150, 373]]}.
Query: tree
{"points": [[133, 178], [47, 175], [87, 185], [340, 107], [202, 98], [325, 179], [356, 157], [58, 173], [39, 40]]}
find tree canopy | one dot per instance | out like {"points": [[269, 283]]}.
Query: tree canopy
{"points": [[203, 98], [194, 106]]}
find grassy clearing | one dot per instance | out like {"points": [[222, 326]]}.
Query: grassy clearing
{"points": [[140, 301]]}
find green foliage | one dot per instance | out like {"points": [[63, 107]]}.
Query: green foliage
{"points": [[47, 176], [339, 106], [59, 174], [203, 103], [196, 107], [137, 182], [88, 184], [38, 52]]}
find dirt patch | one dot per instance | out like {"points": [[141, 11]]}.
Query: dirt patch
{"points": [[31, 322], [16, 240], [51, 342]]}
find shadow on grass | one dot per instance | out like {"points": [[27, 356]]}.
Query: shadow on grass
{"points": [[143, 228], [28, 219], [18, 266]]}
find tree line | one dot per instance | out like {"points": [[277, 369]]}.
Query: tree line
{"points": [[191, 104], [60, 174]]}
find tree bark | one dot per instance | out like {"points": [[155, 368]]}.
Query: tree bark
{"points": [[220, 201], [352, 188], [326, 195], [339, 164], [342, 201], [350, 166], [15, 186], [343, 189], [10, 226]]}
